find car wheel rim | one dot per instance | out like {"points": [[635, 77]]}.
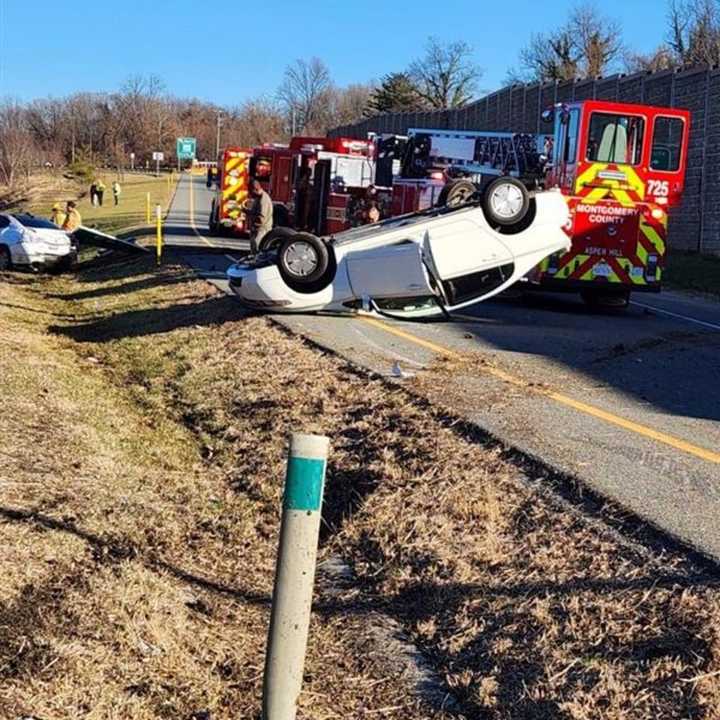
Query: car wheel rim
{"points": [[301, 259], [506, 201]]}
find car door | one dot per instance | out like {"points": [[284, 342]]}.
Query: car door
{"points": [[470, 261], [454, 257]]}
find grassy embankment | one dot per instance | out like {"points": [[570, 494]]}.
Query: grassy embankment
{"points": [[696, 272], [144, 427], [46, 189]]}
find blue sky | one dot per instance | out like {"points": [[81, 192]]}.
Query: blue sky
{"points": [[228, 52]]}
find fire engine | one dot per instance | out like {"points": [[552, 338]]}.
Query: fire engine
{"points": [[317, 184], [227, 214], [620, 166]]}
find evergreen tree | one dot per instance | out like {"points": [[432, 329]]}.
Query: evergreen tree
{"points": [[396, 93]]}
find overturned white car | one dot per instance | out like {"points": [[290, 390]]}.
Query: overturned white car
{"points": [[417, 265]]}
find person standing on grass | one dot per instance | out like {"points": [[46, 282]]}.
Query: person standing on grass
{"points": [[57, 215], [116, 190], [72, 218], [93, 193], [260, 215], [100, 191]]}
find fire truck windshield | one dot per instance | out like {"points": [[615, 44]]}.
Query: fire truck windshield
{"points": [[615, 138]]}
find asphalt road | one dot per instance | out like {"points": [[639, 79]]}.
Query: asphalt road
{"points": [[629, 403]]}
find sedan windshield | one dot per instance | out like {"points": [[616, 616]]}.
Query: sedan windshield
{"points": [[35, 222]]}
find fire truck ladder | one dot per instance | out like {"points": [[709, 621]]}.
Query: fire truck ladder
{"points": [[485, 153]]}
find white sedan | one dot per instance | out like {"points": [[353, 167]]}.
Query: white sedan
{"points": [[423, 264], [33, 243]]}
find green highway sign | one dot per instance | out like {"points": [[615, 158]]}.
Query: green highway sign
{"points": [[186, 148]]}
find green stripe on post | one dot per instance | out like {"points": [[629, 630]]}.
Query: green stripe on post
{"points": [[304, 484]]}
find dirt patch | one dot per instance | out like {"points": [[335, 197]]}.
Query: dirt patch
{"points": [[158, 547]]}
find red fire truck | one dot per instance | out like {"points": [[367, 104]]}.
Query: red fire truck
{"points": [[317, 184], [227, 214], [621, 167]]}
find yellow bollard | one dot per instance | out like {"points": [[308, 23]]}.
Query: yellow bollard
{"points": [[147, 209], [159, 239]]}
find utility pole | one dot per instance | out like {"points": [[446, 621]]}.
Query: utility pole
{"points": [[217, 139]]}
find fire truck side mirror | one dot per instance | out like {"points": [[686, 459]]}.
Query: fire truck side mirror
{"points": [[548, 115]]}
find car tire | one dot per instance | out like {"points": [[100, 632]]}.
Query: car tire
{"points": [[275, 238], [457, 193], [304, 262], [606, 300], [5, 259], [505, 202]]}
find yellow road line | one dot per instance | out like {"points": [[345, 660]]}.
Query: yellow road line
{"points": [[591, 410]]}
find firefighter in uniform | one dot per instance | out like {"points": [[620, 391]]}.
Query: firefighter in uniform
{"points": [[72, 218], [57, 215], [261, 215]]}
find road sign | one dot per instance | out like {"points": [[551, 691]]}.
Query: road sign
{"points": [[186, 148], [158, 156]]}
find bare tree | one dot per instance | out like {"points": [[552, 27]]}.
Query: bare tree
{"points": [[304, 91], [550, 57], [662, 58], [258, 121], [597, 38], [694, 31], [348, 104], [588, 45], [446, 76], [17, 147]]}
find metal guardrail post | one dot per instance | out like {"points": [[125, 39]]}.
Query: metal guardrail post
{"points": [[294, 576]]}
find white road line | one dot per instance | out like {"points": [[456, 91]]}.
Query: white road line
{"points": [[702, 323]]}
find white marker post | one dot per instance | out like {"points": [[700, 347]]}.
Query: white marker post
{"points": [[294, 576], [158, 234]]}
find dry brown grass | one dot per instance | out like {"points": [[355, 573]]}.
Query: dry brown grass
{"points": [[140, 527]]}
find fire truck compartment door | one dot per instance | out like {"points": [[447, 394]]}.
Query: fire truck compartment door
{"points": [[388, 271], [457, 148], [348, 170]]}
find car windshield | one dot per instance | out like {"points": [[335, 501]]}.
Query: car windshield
{"points": [[35, 222]]}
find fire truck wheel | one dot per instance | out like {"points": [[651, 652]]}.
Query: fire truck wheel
{"points": [[606, 300], [304, 261], [506, 201], [275, 238], [457, 193]]}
